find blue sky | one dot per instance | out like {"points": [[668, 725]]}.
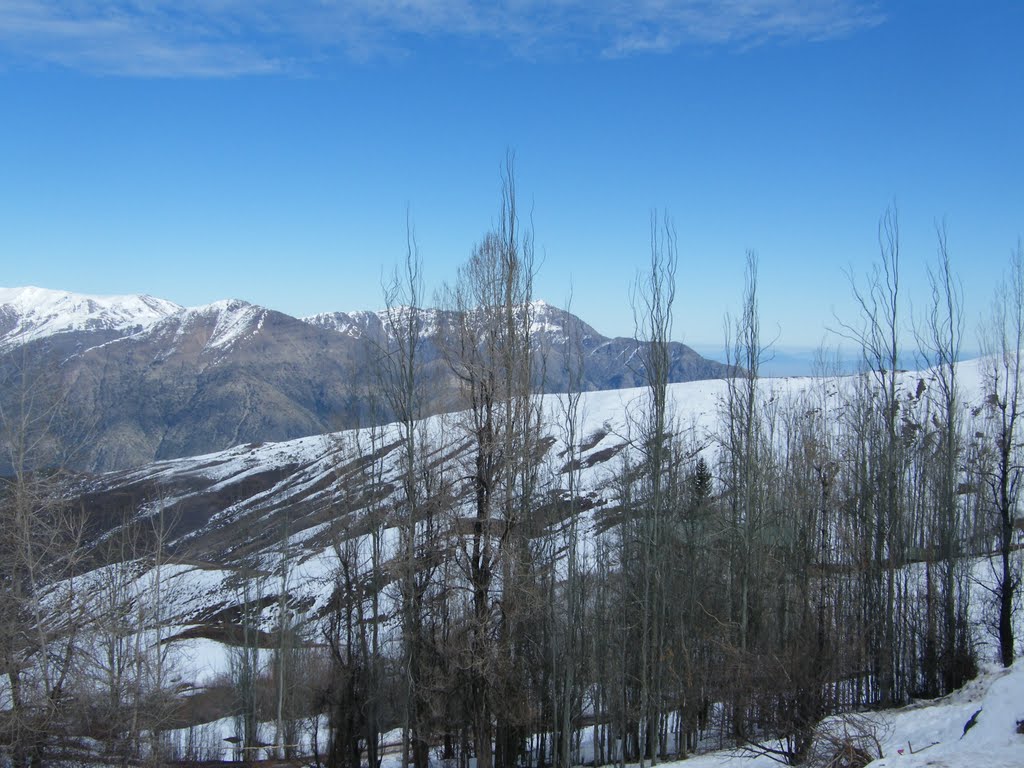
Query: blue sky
{"points": [[204, 149]]}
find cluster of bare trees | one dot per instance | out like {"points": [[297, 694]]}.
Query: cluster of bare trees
{"points": [[816, 553], [463, 576], [83, 669]]}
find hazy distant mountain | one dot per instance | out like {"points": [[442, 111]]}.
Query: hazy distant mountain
{"points": [[608, 363], [146, 379]]}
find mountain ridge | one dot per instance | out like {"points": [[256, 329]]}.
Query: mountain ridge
{"points": [[142, 379], [29, 313]]}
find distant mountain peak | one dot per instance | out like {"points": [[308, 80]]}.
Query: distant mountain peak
{"points": [[220, 324], [235, 320], [30, 313]]}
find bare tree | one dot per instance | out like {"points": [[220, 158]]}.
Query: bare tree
{"points": [[289, 659], [40, 549], [567, 646], [745, 465], [492, 357], [948, 657], [652, 300], [246, 665], [123, 674], [403, 380], [111, 652], [1002, 345], [882, 489]]}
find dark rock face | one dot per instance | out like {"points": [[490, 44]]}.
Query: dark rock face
{"points": [[206, 379]]}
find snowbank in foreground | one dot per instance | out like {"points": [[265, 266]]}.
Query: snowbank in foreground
{"points": [[997, 696], [932, 733]]}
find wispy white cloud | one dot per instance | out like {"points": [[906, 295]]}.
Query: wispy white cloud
{"points": [[660, 26], [223, 38], [130, 38]]}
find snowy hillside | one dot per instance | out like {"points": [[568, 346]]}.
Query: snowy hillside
{"points": [[230, 505]]}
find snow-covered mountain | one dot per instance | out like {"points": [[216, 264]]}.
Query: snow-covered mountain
{"points": [[546, 321], [146, 379], [29, 313], [608, 363], [215, 328]]}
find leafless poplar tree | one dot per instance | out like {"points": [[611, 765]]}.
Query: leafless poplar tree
{"points": [[403, 382], [745, 463], [1002, 345], [882, 487], [653, 299], [492, 357], [948, 658], [567, 646]]}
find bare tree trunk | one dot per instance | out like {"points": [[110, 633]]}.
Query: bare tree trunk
{"points": [[652, 301], [1003, 344], [493, 359], [879, 338], [744, 459], [941, 337]]}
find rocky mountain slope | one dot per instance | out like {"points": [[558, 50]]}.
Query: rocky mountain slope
{"points": [[141, 379]]}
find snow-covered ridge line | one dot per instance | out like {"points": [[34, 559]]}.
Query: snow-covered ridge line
{"points": [[234, 319], [545, 319], [31, 313], [695, 405]]}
